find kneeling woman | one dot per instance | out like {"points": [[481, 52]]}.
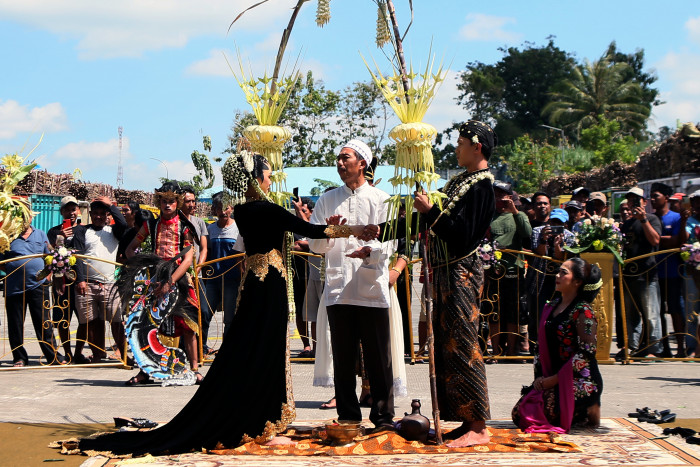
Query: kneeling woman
{"points": [[568, 384]]}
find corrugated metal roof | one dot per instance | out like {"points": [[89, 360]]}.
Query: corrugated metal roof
{"points": [[304, 178]]}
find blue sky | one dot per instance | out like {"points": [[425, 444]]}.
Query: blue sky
{"points": [[76, 70]]}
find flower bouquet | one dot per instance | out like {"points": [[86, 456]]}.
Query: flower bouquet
{"points": [[58, 264], [690, 254], [598, 234], [489, 254]]}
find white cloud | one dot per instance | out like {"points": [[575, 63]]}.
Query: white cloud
{"points": [[444, 110], [480, 27], [128, 28], [693, 27], [16, 118], [214, 65], [682, 100]]}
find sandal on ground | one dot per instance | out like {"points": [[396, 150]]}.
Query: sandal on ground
{"points": [[134, 422], [140, 378], [680, 431], [81, 359], [328, 405], [199, 377], [19, 364], [304, 354]]}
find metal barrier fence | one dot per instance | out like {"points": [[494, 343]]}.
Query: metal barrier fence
{"points": [[630, 310]]}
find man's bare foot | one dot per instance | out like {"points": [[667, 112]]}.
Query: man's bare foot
{"points": [[471, 438], [280, 441]]}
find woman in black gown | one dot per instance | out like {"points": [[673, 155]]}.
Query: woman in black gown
{"points": [[247, 393]]}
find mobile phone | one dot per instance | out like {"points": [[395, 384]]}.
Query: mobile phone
{"points": [[590, 207], [295, 192], [67, 224], [419, 188], [556, 229], [633, 202]]}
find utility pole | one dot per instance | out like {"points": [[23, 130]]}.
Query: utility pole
{"points": [[120, 170]]}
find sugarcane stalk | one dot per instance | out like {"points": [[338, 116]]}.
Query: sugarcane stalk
{"points": [[428, 285], [399, 46], [283, 45]]}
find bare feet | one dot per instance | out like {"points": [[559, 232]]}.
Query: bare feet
{"points": [[328, 405], [280, 441], [471, 438]]}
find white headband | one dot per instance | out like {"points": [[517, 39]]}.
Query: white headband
{"points": [[361, 149]]}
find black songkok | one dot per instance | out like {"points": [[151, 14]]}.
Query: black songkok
{"points": [[481, 130]]}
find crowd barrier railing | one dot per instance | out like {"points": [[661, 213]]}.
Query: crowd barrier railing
{"points": [[510, 309]]}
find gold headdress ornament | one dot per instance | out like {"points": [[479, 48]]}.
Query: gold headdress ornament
{"points": [[594, 286]]}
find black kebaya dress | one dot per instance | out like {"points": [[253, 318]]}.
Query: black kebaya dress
{"points": [[247, 393]]}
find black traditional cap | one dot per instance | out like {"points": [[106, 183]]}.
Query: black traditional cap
{"points": [[483, 133]]}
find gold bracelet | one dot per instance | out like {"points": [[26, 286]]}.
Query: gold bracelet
{"points": [[338, 231], [365, 386], [394, 269]]}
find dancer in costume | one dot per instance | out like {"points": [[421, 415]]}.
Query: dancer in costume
{"points": [[458, 279], [172, 237], [247, 393], [568, 383]]}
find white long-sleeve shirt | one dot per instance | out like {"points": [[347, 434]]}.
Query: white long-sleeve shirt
{"points": [[354, 281]]}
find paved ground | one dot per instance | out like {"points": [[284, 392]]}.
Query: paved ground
{"points": [[91, 394]]}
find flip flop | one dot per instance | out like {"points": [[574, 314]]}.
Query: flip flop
{"points": [[136, 380]]}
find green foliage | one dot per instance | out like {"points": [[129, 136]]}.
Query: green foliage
{"points": [[529, 163], [323, 185], [321, 120], [607, 143], [513, 91]]}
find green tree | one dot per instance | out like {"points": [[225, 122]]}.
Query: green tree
{"points": [[528, 163], [608, 143], [599, 89], [310, 115], [513, 92], [322, 186]]}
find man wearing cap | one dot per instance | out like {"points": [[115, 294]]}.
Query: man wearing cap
{"points": [[581, 195], [95, 301], [574, 209], [600, 204], [547, 240], [674, 202], [642, 310], [501, 297], [673, 227], [357, 288], [65, 303]]}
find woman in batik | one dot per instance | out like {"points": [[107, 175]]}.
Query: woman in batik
{"points": [[246, 394], [458, 279], [568, 383]]}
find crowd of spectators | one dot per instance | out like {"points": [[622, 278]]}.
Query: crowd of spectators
{"points": [[512, 302]]}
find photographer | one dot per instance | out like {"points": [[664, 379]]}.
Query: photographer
{"points": [[642, 234], [547, 240]]}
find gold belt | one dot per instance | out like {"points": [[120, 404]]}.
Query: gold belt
{"points": [[260, 263]]}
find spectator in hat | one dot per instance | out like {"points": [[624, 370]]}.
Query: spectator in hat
{"points": [[547, 240], [64, 303], [581, 195], [95, 301], [501, 297], [574, 209], [674, 202], [642, 310], [673, 231], [527, 206], [599, 204]]}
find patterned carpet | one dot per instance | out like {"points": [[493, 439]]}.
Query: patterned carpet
{"points": [[615, 442]]}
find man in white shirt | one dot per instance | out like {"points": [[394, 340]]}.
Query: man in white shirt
{"points": [[357, 288], [95, 301]]}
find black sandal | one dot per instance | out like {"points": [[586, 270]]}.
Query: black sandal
{"points": [[199, 377], [140, 378], [134, 422]]}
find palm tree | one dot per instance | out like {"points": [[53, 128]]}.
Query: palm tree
{"points": [[598, 89]]}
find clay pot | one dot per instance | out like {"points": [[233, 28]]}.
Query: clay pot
{"points": [[415, 426]]}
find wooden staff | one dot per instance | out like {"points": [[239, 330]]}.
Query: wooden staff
{"points": [[428, 286]]}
